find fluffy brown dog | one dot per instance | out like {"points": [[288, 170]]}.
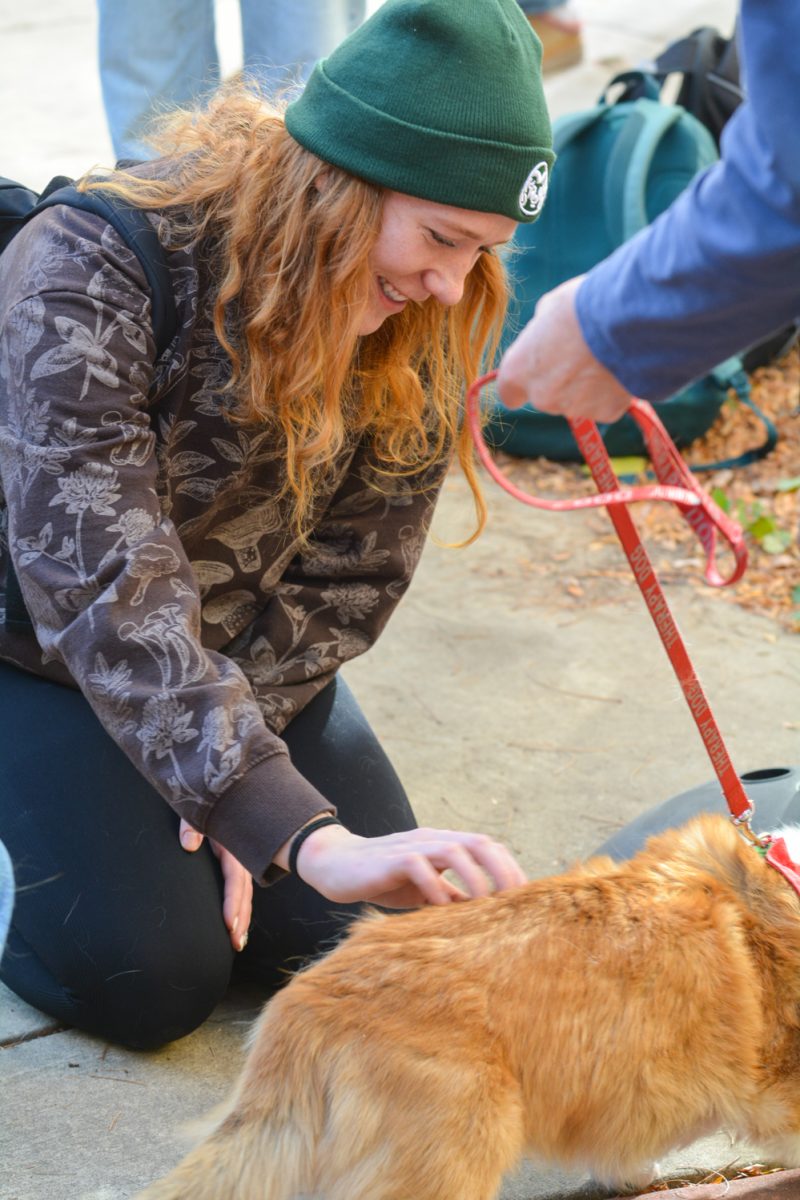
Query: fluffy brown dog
{"points": [[596, 1019]]}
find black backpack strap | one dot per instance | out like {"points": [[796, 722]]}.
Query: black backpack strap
{"points": [[640, 83], [55, 184], [136, 230]]}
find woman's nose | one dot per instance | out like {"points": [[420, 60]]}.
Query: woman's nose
{"points": [[446, 284]]}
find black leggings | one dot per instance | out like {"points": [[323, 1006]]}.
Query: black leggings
{"points": [[118, 931]]}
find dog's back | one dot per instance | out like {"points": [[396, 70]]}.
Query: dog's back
{"points": [[596, 1018]]}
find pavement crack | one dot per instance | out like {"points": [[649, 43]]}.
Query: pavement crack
{"points": [[17, 1040]]}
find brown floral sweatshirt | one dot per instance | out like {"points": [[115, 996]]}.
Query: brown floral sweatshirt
{"points": [[141, 524]]}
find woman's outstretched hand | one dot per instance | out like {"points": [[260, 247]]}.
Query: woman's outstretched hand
{"points": [[237, 903], [405, 870], [400, 870]]}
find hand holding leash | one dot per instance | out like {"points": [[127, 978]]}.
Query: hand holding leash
{"points": [[550, 365]]}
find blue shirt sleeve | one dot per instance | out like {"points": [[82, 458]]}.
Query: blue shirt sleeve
{"points": [[720, 269]]}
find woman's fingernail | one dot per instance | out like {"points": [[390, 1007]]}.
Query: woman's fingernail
{"points": [[243, 940], [235, 925]]}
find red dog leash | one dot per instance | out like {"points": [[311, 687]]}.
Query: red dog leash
{"points": [[677, 485]]}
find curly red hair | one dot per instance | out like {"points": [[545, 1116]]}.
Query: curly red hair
{"points": [[292, 260]]}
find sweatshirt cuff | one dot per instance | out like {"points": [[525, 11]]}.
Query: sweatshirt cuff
{"points": [[261, 811]]}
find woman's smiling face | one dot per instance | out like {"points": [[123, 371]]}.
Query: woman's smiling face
{"points": [[426, 249]]}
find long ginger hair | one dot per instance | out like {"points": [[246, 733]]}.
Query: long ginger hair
{"points": [[291, 263]]}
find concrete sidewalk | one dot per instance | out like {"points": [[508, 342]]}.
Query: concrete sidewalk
{"points": [[508, 702]]}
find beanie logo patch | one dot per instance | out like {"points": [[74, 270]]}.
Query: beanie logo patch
{"points": [[534, 190]]}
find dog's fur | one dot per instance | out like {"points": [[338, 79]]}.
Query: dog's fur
{"points": [[595, 1019]]}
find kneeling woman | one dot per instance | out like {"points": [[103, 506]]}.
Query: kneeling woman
{"points": [[201, 538]]}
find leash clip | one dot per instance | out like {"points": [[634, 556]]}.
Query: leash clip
{"points": [[742, 823]]}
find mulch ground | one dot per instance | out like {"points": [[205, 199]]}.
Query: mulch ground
{"points": [[764, 497]]}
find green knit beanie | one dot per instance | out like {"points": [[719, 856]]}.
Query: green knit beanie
{"points": [[440, 99]]}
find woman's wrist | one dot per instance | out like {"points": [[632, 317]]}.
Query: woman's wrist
{"points": [[302, 836], [287, 857], [314, 858]]}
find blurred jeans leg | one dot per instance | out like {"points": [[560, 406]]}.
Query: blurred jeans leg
{"points": [[6, 894], [559, 31], [153, 55], [284, 38]]}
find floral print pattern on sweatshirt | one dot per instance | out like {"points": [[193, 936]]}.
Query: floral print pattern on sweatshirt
{"points": [[154, 565]]}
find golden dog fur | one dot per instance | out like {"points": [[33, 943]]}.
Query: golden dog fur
{"points": [[595, 1019]]}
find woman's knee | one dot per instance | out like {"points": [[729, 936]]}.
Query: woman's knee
{"points": [[144, 1001], [163, 1001]]}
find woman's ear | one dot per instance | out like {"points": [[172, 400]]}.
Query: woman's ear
{"points": [[322, 181]]}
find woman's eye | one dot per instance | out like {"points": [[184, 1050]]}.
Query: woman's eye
{"points": [[437, 237]]}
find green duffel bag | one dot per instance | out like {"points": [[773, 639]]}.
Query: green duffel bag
{"points": [[619, 165]]}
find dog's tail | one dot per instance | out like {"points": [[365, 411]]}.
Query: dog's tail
{"points": [[241, 1160], [262, 1143]]}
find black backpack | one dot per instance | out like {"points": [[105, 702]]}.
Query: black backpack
{"points": [[709, 63], [18, 204]]}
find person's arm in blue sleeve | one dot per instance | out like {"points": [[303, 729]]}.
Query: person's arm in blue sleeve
{"points": [[716, 272]]}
